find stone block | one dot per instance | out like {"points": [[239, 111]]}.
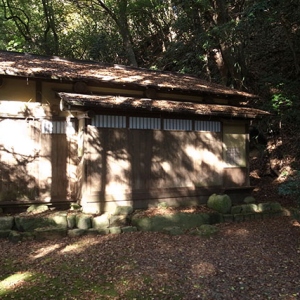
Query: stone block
{"points": [[15, 236], [227, 218], [92, 231], [103, 231], [249, 217], [28, 223], [187, 221], [50, 233], [174, 230], [129, 229], [142, 223], [83, 221], [123, 210], [115, 230], [76, 232], [6, 223], [4, 233], [100, 222], [258, 216], [37, 208], [275, 207], [60, 219], [249, 208], [118, 220], [249, 199], [263, 207], [238, 217], [71, 221], [215, 218], [220, 203], [237, 209]]}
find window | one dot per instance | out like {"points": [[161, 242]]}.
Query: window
{"points": [[233, 156], [208, 126], [177, 124], [144, 123], [57, 127], [107, 121]]}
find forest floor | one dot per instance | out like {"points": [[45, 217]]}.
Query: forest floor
{"points": [[257, 259], [250, 260]]}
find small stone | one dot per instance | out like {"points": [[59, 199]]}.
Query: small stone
{"points": [[115, 230], [76, 232], [249, 199], [37, 209], [129, 229]]}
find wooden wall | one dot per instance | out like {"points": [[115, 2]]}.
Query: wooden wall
{"points": [[35, 167], [124, 165]]}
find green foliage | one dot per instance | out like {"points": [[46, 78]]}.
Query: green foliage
{"points": [[291, 187]]}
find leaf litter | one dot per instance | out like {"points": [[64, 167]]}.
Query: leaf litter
{"points": [[250, 260]]}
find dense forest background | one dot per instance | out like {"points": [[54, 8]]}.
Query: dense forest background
{"points": [[245, 44]]}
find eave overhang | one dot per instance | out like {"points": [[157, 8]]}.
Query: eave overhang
{"points": [[81, 102]]}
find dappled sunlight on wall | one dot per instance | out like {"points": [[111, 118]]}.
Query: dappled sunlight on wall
{"points": [[19, 156], [121, 164], [118, 184]]}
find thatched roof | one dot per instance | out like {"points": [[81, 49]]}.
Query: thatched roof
{"points": [[55, 68], [70, 101]]}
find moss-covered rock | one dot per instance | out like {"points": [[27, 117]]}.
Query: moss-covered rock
{"points": [[30, 223], [37, 208], [4, 233], [83, 221], [174, 230], [6, 222], [123, 210], [220, 203], [249, 199], [182, 220], [129, 229], [50, 233], [76, 232], [244, 209], [115, 230], [101, 222]]}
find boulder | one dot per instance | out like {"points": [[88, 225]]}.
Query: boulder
{"points": [[4, 233], [119, 220], [123, 210], [50, 233], [83, 221], [76, 232], [6, 223], [115, 230], [28, 223], [71, 220], [219, 203], [173, 230], [37, 209], [101, 222], [129, 229], [249, 199]]}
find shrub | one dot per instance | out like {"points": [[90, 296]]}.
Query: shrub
{"points": [[291, 187]]}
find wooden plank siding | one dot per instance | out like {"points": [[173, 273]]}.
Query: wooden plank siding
{"points": [[34, 167], [137, 166]]}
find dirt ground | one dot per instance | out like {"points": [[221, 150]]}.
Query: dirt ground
{"points": [[249, 260]]}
